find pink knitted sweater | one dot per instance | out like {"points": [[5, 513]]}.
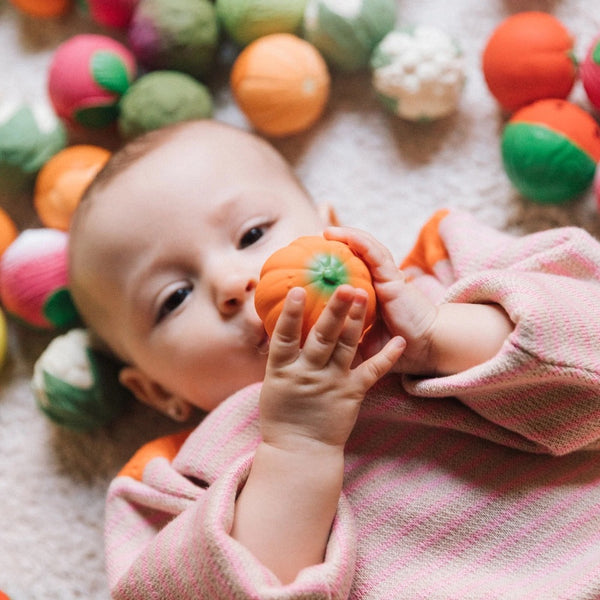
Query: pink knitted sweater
{"points": [[482, 485]]}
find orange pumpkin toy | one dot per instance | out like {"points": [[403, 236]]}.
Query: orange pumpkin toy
{"points": [[43, 8], [319, 266], [62, 181], [8, 232], [529, 57], [281, 83]]}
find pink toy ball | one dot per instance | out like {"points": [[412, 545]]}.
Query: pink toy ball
{"points": [[33, 280], [88, 75], [589, 71], [111, 13]]}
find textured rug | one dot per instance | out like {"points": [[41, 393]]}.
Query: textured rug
{"points": [[380, 173]]}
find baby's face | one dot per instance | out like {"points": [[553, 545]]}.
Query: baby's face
{"points": [[170, 252]]}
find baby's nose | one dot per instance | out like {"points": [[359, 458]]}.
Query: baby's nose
{"points": [[234, 292]]}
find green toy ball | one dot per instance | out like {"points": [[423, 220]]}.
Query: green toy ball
{"points": [[346, 33], [76, 386], [29, 136], [182, 35], [550, 150], [161, 98], [247, 20]]}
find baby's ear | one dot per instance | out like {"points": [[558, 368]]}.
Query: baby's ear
{"points": [[328, 216], [150, 392]]}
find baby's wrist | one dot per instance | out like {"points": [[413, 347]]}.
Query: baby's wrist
{"points": [[302, 444]]}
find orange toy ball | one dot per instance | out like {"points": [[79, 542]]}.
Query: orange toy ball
{"points": [[529, 57], [8, 231], [62, 181], [43, 8], [281, 83], [319, 266]]}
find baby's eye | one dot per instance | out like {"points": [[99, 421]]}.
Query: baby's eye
{"points": [[251, 236], [173, 301]]}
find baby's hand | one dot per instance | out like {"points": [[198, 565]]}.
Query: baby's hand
{"points": [[405, 310], [313, 393]]}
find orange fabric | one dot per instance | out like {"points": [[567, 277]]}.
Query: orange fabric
{"points": [[429, 247], [167, 447]]}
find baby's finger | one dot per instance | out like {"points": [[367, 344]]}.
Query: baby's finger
{"points": [[373, 369], [375, 255], [350, 336], [324, 335], [284, 345]]}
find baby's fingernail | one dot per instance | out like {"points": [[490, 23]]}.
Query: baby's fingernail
{"points": [[296, 294]]}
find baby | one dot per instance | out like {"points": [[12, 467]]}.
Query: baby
{"points": [[269, 495]]}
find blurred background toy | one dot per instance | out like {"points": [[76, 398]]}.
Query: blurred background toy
{"points": [[43, 8], [247, 20], [33, 280], [160, 98], [62, 181], [175, 34], [590, 73], [550, 150], [281, 83], [8, 231], [528, 57], [87, 76], [347, 33], [110, 13], [418, 73], [75, 385], [29, 135]]}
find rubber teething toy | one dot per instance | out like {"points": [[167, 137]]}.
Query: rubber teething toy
{"points": [[529, 57], [43, 8], [281, 83], [111, 13], [590, 73], [248, 20], [346, 33], [76, 386], [88, 75], [33, 280], [62, 181], [319, 266], [175, 34], [30, 134], [418, 73], [8, 231], [550, 150], [160, 98]]}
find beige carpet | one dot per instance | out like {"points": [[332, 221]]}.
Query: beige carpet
{"points": [[380, 173]]}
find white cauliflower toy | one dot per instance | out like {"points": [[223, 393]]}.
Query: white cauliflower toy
{"points": [[418, 73]]}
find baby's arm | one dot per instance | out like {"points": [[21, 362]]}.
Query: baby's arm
{"points": [[441, 340], [309, 402]]}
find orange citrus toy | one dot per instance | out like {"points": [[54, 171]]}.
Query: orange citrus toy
{"points": [[281, 83], [8, 231], [62, 181], [319, 266], [529, 57], [43, 8]]}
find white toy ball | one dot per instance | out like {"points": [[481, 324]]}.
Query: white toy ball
{"points": [[418, 73]]}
